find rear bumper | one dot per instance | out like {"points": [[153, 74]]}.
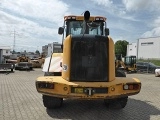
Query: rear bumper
{"points": [[89, 90], [23, 66], [6, 66], [104, 96]]}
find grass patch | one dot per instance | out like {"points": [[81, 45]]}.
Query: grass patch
{"points": [[156, 62]]}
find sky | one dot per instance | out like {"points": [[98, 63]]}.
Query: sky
{"points": [[31, 24]]}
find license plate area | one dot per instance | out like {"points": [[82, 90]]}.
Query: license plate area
{"points": [[89, 90]]}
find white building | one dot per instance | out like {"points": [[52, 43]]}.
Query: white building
{"points": [[132, 49], [45, 50], [4, 51], [54, 47], [145, 48], [148, 48]]}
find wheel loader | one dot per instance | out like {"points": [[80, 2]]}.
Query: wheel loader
{"points": [[23, 63], [38, 62], [86, 67], [128, 65]]}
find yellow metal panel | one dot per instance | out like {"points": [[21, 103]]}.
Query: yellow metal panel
{"points": [[111, 60], [62, 88], [81, 18], [57, 54], [60, 80], [66, 59], [58, 88]]}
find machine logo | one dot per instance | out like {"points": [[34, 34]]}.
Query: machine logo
{"points": [[65, 67]]}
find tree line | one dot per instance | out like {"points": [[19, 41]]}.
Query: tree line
{"points": [[121, 47]]}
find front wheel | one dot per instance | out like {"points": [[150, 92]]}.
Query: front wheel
{"points": [[52, 102], [118, 103], [31, 68]]}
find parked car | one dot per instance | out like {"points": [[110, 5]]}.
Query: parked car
{"points": [[146, 67]]}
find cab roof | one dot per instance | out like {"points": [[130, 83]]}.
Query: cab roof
{"points": [[81, 18]]}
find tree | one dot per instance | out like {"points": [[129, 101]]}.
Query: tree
{"points": [[13, 51], [37, 52], [121, 47]]}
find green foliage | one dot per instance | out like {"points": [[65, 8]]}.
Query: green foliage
{"points": [[37, 52], [13, 51], [121, 47]]}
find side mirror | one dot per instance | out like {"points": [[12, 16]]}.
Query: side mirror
{"points": [[60, 30], [106, 31]]}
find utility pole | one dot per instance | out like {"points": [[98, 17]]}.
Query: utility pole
{"points": [[14, 39]]}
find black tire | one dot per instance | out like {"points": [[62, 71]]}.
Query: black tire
{"points": [[118, 103], [135, 71], [16, 68], [120, 73], [31, 68], [11, 69], [52, 102]]}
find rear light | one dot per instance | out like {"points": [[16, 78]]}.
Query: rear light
{"points": [[136, 87], [45, 85], [70, 18], [131, 87]]}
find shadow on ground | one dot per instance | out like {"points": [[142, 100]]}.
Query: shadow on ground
{"points": [[28, 70], [6, 72], [96, 110]]}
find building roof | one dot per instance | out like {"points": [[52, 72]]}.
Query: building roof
{"points": [[5, 47]]}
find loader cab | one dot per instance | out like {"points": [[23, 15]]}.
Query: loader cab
{"points": [[75, 25], [118, 57], [88, 49], [130, 61]]}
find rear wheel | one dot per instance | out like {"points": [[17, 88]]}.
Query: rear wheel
{"points": [[16, 68], [52, 102], [31, 68], [118, 103]]}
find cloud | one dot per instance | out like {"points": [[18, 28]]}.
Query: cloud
{"points": [[106, 3], [147, 10], [115, 9], [138, 5], [155, 28], [35, 22], [156, 22], [8, 23], [50, 10], [155, 32]]}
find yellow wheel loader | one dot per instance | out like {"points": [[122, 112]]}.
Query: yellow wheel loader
{"points": [[129, 64], [86, 68], [38, 62], [23, 63]]}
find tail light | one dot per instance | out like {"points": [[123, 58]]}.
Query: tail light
{"points": [[131, 86], [45, 85]]}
